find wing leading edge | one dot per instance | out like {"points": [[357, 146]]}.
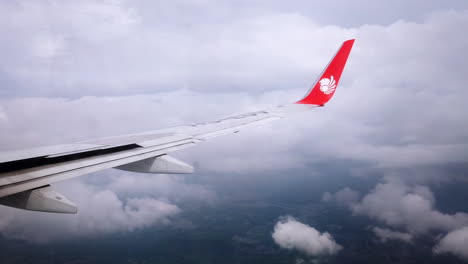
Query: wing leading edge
{"points": [[25, 176]]}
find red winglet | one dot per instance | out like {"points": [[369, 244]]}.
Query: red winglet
{"points": [[325, 87]]}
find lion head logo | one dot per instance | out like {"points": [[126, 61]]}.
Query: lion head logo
{"points": [[327, 86]]}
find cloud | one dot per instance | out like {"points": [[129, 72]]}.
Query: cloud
{"points": [[411, 208], [101, 211], [3, 115], [233, 62], [455, 242], [173, 187], [345, 196], [48, 46], [110, 201], [291, 234], [385, 234]]}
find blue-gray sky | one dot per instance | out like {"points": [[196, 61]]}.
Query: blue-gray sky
{"points": [[76, 70]]}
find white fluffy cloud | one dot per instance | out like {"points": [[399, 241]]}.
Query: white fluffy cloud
{"points": [[455, 242], [411, 208], [101, 211], [292, 234], [408, 207]]}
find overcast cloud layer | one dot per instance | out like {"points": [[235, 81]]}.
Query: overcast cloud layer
{"points": [[76, 70]]}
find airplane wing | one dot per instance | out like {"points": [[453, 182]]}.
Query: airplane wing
{"points": [[26, 175]]}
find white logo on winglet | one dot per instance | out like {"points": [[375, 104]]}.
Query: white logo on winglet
{"points": [[327, 86]]}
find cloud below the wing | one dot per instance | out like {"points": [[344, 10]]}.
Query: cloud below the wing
{"points": [[455, 242], [102, 211], [385, 234], [292, 234], [411, 208]]}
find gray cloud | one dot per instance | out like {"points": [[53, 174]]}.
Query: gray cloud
{"points": [[349, 13], [412, 208], [345, 196], [385, 234], [408, 207], [171, 187], [454, 242], [102, 212], [291, 234]]}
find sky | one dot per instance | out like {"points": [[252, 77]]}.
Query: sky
{"points": [[77, 70]]}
